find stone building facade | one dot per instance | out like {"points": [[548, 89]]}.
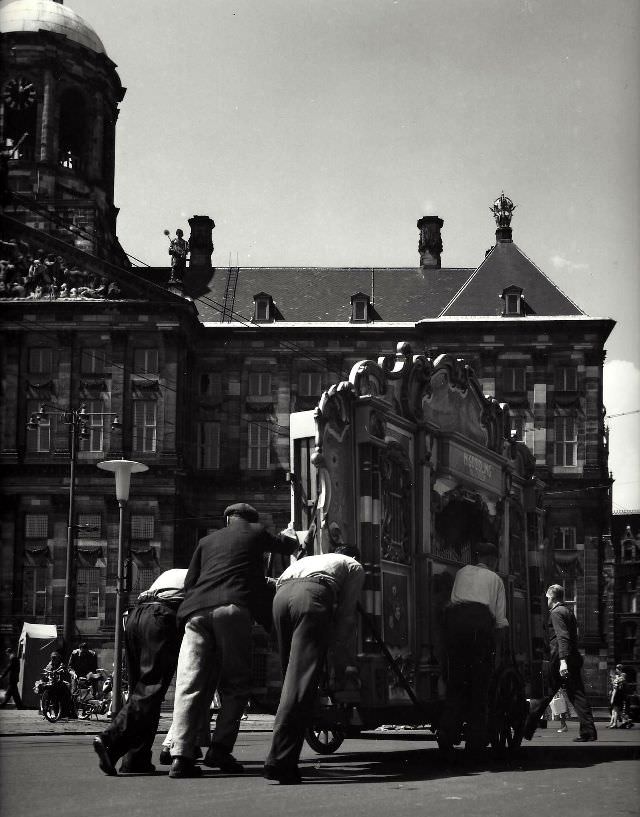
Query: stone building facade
{"points": [[203, 373]]}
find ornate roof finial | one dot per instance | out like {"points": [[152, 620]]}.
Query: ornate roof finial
{"points": [[502, 210]]}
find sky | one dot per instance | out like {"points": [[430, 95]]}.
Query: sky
{"points": [[317, 132]]}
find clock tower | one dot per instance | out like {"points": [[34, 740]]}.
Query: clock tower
{"points": [[59, 99]]}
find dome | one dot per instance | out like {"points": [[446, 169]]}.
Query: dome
{"points": [[47, 15]]}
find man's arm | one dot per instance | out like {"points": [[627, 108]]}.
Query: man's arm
{"points": [[285, 542], [345, 615]]}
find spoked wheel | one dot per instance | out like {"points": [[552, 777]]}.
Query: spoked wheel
{"points": [[324, 740], [51, 707], [84, 713], [507, 710]]}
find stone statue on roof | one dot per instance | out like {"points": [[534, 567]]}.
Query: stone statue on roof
{"points": [[178, 249]]}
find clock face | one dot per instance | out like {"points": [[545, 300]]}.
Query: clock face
{"points": [[19, 93]]}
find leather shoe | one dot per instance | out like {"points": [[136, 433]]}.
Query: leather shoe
{"points": [[106, 761], [217, 758], [585, 738], [286, 777], [184, 767]]}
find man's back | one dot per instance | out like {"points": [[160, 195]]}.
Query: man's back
{"points": [[563, 631]]}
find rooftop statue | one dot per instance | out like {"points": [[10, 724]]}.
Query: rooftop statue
{"points": [[178, 250], [502, 210]]}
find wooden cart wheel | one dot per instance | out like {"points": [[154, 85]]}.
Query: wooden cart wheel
{"points": [[507, 710], [324, 740]]}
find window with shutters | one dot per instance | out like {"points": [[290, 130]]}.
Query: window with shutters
{"points": [[566, 378], [566, 441], [34, 592], [88, 593], [145, 426], [93, 361], [513, 379], [310, 384], [95, 421], [145, 361], [208, 445], [40, 360], [259, 384], [259, 449], [564, 538]]}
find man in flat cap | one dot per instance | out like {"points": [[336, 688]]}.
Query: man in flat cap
{"points": [[224, 590], [475, 622]]}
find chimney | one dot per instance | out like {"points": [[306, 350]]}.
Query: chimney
{"points": [[200, 269], [430, 243]]}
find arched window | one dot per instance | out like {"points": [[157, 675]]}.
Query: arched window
{"points": [[73, 135]]}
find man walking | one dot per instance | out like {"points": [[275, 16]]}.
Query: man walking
{"points": [[224, 589], [152, 642], [315, 605], [564, 668], [475, 622], [13, 671]]}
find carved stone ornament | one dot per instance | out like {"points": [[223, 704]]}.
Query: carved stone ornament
{"points": [[502, 210]]}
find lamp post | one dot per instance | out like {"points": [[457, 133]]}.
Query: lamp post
{"points": [[78, 422], [122, 470]]}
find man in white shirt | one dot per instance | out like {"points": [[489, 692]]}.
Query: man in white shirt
{"points": [[152, 642], [315, 606], [475, 622]]}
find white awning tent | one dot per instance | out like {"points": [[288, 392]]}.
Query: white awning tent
{"points": [[37, 642]]}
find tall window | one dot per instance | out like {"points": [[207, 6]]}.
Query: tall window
{"points": [[34, 592], [145, 425], [259, 384], [566, 378], [629, 629], [564, 538], [259, 447], [310, 384], [566, 444], [571, 594], [513, 378], [40, 360], [38, 439], [145, 361], [93, 361], [208, 445], [88, 593], [95, 426]]}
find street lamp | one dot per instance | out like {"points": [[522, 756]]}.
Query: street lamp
{"points": [[122, 470], [78, 422]]}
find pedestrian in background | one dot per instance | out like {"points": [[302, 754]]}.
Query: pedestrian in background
{"points": [[565, 668], [152, 641], [225, 592], [12, 671], [559, 709], [618, 697], [315, 605]]}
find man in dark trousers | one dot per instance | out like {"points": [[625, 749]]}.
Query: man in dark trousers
{"points": [[475, 623], [13, 671], [315, 606], [152, 642], [565, 667], [84, 663], [224, 587]]}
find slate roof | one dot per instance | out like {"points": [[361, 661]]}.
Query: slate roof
{"points": [[323, 294], [504, 266]]}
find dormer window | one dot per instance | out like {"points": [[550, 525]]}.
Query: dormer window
{"points": [[263, 308], [513, 301], [360, 306]]}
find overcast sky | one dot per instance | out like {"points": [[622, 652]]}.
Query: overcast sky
{"points": [[317, 132]]}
